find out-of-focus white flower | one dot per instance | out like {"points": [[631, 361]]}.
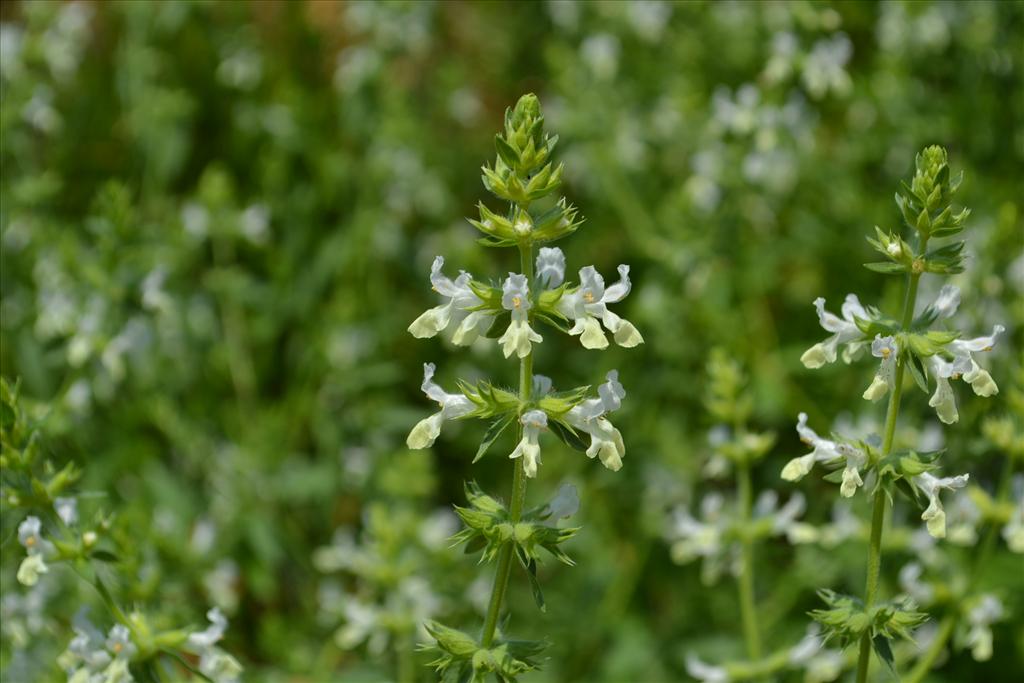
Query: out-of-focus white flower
{"points": [[1013, 531], [519, 337], [988, 610], [824, 68], [910, 582], [66, 509], [648, 18], [845, 331], [452, 406], [212, 634], [119, 642], [600, 53], [930, 485], [588, 307], [705, 672]]}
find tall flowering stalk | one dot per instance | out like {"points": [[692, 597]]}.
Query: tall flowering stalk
{"points": [[522, 175], [923, 343]]}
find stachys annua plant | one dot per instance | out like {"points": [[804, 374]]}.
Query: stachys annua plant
{"points": [[920, 342], [514, 310]]}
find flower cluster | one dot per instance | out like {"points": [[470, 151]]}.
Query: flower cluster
{"points": [[931, 356], [511, 312]]}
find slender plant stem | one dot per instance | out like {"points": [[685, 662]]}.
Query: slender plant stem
{"points": [[406, 664], [746, 579], [504, 569], [925, 664], [878, 510]]}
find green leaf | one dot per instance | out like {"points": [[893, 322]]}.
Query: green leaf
{"points": [[493, 432], [884, 652], [105, 556], [530, 565], [887, 267]]}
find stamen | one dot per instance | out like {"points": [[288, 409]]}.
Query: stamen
{"points": [[588, 297], [517, 301]]}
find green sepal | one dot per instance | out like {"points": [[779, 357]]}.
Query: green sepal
{"points": [[488, 399], [558, 404]]}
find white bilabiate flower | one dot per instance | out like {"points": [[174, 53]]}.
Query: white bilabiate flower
{"points": [[931, 485], [705, 672], [844, 330], [910, 582], [605, 440], [886, 349], [826, 451], [119, 641], [962, 366], [550, 267], [452, 406], [783, 519], [979, 638], [947, 302], [705, 537], [588, 307], [460, 299], [207, 638], [30, 536], [30, 569], [519, 337], [67, 509], [528, 448]]}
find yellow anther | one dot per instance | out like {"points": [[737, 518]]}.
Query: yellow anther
{"points": [[588, 297], [886, 353], [517, 301], [118, 647], [987, 348], [30, 541]]}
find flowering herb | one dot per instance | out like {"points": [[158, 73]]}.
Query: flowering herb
{"points": [[522, 174], [921, 342]]}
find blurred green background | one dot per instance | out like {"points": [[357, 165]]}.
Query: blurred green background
{"points": [[218, 220]]}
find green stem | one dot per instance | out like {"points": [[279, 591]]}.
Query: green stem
{"points": [[746, 579], [504, 569], [878, 510], [924, 665], [406, 664]]}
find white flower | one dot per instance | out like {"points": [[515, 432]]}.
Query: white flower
{"points": [[528, 448], [605, 440], [550, 267], [844, 331], [962, 366], [588, 304], [30, 536], [119, 641], [202, 640], [703, 671], [30, 569], [452, 406], [826, 451], [823, 67], [931, 485], [886, 349], [219, 666], [460, 299], [979, 638], [910, 582], [947, 302], [519, 337], [783, 519], [818, 663], [67, 509], [704, 537]]}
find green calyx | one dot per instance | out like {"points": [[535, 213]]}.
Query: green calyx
{"points": [[462, 659]]}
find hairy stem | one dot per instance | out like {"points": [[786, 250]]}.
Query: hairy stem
{"points": [[504, 570], [878, 510], [748, 607]]}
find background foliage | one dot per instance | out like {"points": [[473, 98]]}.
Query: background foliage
{"points": [[218, 219]]}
